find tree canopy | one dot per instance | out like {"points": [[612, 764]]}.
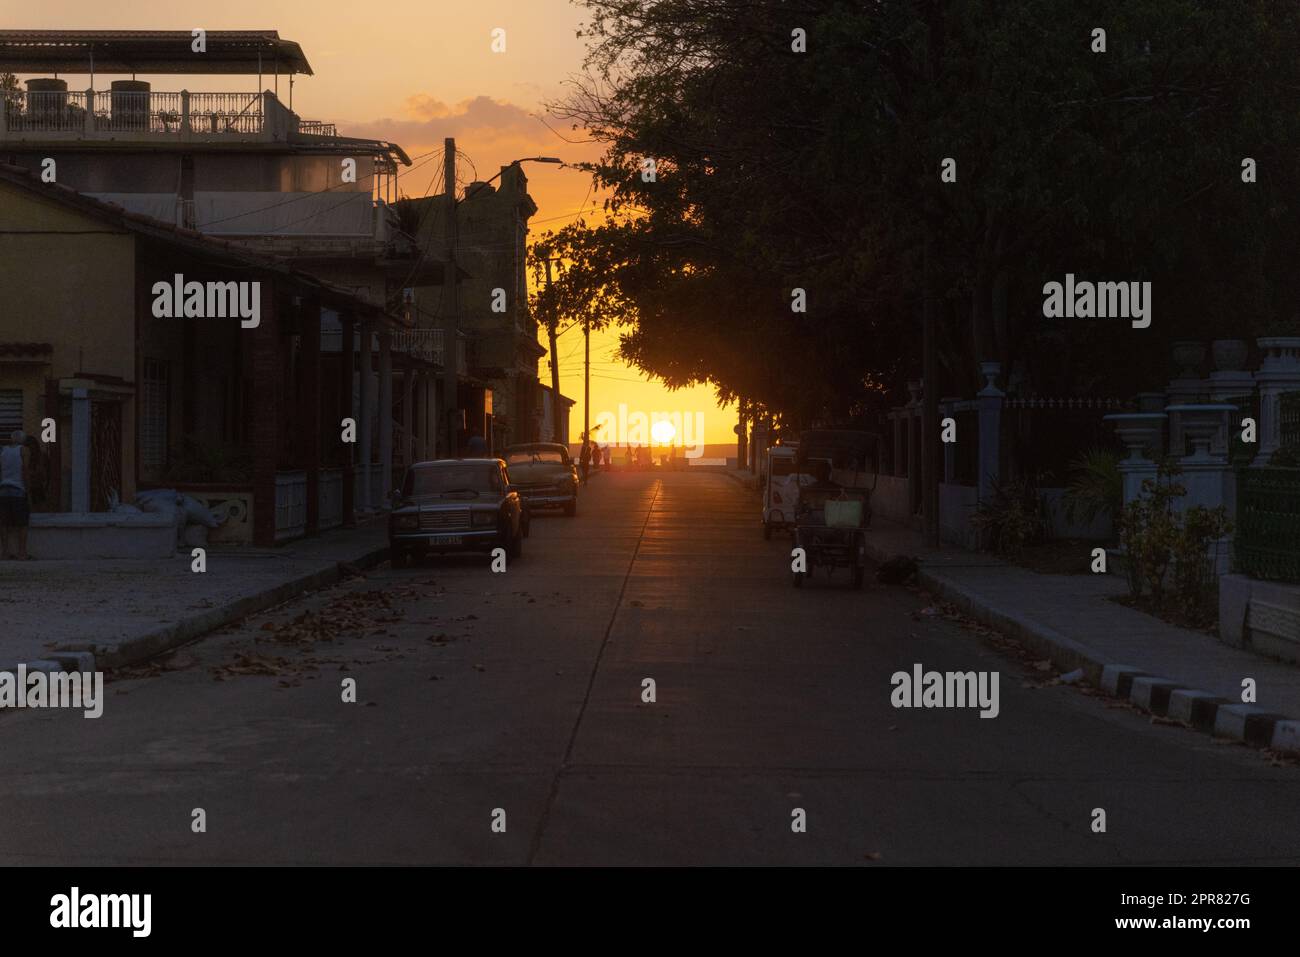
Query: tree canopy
{"points": [[799, 145]]}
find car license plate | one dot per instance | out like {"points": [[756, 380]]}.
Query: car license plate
{"points": [[444, 539]]}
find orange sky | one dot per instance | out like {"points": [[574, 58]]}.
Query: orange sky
{"points": [[416, 72]]}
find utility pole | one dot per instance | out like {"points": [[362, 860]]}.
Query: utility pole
{"points": [[555, 365], [930, 454], [451, 323]]}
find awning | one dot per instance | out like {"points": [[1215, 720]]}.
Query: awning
{"points": [[149, 51]]}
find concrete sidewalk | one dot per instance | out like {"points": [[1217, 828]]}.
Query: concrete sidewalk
{"points": [[1169, 671], [123, 611]]}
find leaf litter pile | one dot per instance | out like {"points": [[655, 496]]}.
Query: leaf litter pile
{"points": [[347, 617]]}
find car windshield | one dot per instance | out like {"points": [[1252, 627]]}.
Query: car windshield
{"points": [[534, 456], [452, 481]]}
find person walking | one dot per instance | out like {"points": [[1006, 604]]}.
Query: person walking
{"points": [[15, 480], [584, 458]]}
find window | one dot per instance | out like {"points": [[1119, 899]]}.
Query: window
{"points": [[153, 414], [11, 412]]}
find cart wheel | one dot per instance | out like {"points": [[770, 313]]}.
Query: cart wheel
{"points": [[767, 531], [798, 578]]}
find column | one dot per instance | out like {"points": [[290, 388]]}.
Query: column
{"points": [[309, 409], [408, 416], [266, 416], [1279, 373], [347, 369], [364, 440], [385, 415]]}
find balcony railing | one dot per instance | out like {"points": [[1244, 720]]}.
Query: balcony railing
{"points": [[144, 113], [423, 344], [317, 128]]}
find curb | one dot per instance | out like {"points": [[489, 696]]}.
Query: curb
{"points": [[1154, 694], [142, 647]]}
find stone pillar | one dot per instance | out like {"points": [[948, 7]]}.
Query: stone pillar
{"points": [[1279, 373], [385, 415], [364, 439], [1138, 431], [80, 463], [990, 426]]}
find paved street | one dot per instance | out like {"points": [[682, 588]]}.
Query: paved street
{"points": [[523, 691]]}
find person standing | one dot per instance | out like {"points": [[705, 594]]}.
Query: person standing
{"points": [[15, 480]]}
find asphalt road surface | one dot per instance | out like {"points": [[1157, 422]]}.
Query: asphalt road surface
{"points": [[488, 701]]}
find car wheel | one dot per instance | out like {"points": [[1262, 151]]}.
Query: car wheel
{"points": [[400, 558], [859, 573], [516, 547], [571, 507]]}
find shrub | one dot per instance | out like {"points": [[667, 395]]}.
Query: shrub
{"points": [[1156, 538], [1096, 487], [1013, 517]]}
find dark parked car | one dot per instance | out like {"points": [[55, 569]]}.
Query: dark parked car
{"points": [[456, 505], [544, 475]]}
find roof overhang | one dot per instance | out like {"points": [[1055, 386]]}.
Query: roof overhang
{"points": [[149, 51]]}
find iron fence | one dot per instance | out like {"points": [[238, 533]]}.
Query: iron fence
{"points": [[1267, 543]]}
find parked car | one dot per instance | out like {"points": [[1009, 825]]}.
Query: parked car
{"points": [[456, 505], [544, 475]]}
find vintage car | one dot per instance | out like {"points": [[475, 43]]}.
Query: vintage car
{"points": [[544, 475], [455, 505]]}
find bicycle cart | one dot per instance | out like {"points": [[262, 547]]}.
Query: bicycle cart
{"points": [[834, 511]]}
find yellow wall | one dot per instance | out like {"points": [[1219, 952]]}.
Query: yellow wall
{"points": [[67, 279]]}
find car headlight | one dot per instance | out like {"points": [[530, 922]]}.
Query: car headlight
{"points": [[407, 521], [484, 518]]}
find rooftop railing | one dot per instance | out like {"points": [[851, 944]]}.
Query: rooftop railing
{"points": [[115, 113]]}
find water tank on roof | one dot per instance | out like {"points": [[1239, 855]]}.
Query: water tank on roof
{"points": [[478, 186], [47, 98], [130, 104]]}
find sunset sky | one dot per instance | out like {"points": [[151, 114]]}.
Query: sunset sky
{"points": [[414, 73]]}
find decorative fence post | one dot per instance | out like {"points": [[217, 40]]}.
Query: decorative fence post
{"points": [[1278, 373], [990, 419]]}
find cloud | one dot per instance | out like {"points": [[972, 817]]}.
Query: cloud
{"points": [[431, 120]]}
